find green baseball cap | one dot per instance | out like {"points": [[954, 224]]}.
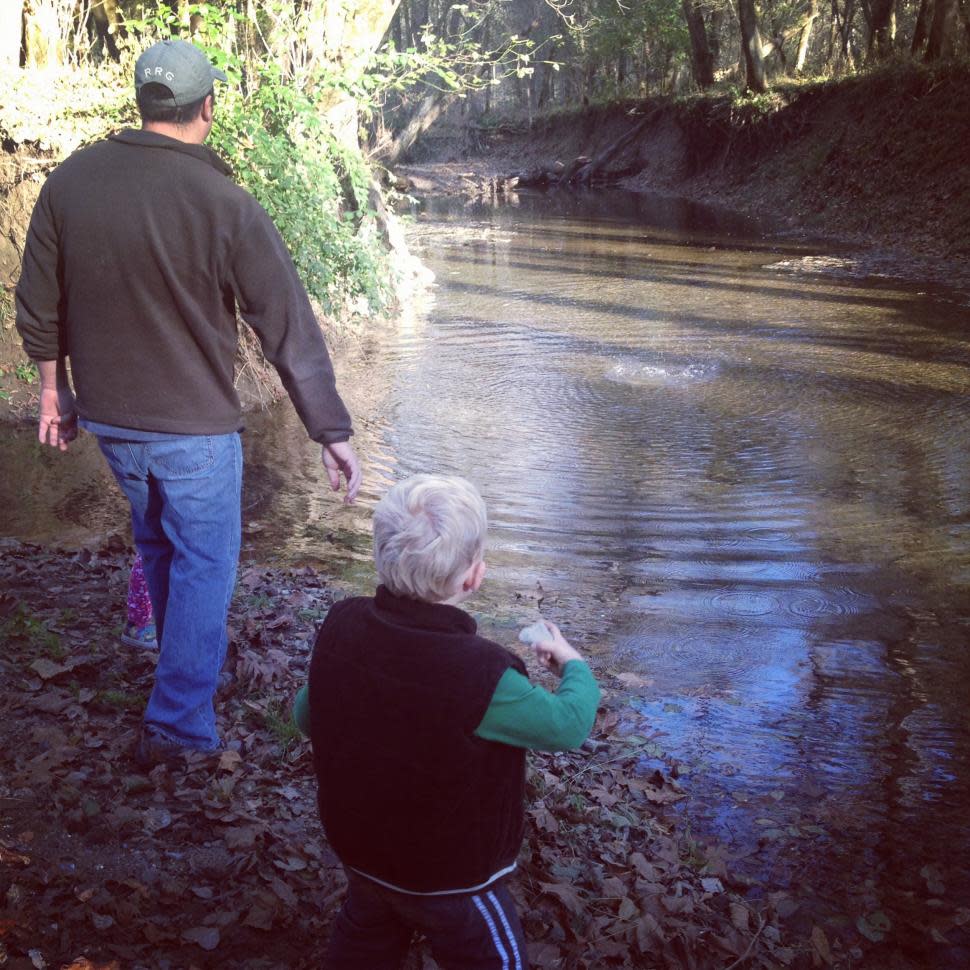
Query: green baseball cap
{"points": [[179, 66]]}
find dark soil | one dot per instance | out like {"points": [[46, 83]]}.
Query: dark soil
{"points": [[876, 163]]}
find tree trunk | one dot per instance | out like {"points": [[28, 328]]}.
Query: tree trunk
{"points": [[534, 83], [701, 56], [429, 111], [881, 29], [714, 32], [754, 65], [106, 18], [811, 15], [942, 30], [547, 93], [922, 28], [43, 44], [345, 35], [11, 31], [842, 59]]}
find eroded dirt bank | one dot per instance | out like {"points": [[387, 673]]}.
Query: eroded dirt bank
{"points": [[876, 162]]}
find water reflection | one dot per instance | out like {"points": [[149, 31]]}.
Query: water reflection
{"points": [[749, 485]]}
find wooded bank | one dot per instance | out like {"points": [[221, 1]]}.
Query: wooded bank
{"points": [[877, 159], [538, 56]]}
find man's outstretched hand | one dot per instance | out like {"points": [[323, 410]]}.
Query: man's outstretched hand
{"points": [[339, 459]]}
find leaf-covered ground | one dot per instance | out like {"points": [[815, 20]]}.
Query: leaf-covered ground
{"points": [[225, 865]]}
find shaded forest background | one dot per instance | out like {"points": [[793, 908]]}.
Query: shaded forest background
{"points": [[588, 52], [396, 66]]}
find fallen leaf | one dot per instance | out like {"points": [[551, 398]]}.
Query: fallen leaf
{"points": [[639, 862], [48, 670], [241, 838], [544, 819], [83, 963], [648, 933], [740, 918], [10, 858], [259, 917], [628, 909], [612, 886], [608, 721], [156, 818], [678, 905], [205, 936], [229, 760], [662, 796], [283, 892], [634, 680], [934, 880], [52, 702], [874, 926], [821, 952], [567, 895], [545, 955]]}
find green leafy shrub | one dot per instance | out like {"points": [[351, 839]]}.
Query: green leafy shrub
{"points": [[313, 187]]}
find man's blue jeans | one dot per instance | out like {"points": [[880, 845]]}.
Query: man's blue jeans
{"points": [[185, 496]]}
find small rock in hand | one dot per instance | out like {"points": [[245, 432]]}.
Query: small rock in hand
{"points": [[535, 633]]}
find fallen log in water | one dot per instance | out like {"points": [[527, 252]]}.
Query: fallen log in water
{"points": [[584, 170], [557, 174]]}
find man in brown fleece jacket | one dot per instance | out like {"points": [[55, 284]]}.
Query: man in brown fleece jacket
{"points": [[140, 249]]}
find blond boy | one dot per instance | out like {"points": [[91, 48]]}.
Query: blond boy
{"points": [[419, 730]]}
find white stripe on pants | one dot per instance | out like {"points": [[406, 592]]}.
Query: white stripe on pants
{"points": [[508, 930], [499, 948]]}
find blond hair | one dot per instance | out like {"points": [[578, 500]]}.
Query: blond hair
{"points": [[428, 530]]}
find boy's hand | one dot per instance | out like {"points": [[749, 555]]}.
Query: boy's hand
{"points": [[555, 652]]}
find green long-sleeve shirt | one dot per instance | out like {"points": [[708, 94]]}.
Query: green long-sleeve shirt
{"points": [[521, 713]]}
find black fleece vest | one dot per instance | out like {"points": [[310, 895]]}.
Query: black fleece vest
{"points": [[407, 793]]}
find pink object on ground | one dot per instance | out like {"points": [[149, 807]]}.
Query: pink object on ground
{"points": [[139, 602]]}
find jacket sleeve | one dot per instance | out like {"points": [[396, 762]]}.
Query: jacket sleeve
{"points": [[524, 715], [39, 293], [274, 303]]}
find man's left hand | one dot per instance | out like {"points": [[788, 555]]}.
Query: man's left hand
{"points": [[340, 458]]}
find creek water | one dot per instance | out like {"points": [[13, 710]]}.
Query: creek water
{"points": [[737, 478]]}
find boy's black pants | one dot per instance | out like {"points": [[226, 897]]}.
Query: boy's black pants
{"points": [[467, 931]]}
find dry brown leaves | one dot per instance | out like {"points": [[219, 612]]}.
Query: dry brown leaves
{"points": [[103, 866], [610, 883]]}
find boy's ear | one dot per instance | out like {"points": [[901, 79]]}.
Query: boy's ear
{"points": [[474, 576]]}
